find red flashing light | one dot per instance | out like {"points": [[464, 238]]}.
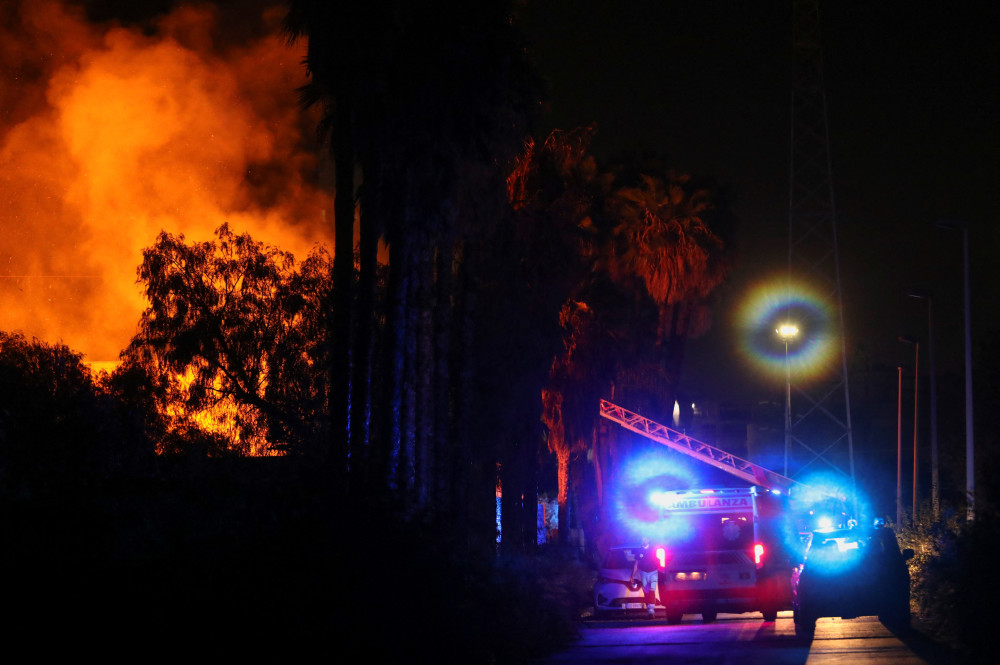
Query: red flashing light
{"points": [[661, 556], [758, 554]]}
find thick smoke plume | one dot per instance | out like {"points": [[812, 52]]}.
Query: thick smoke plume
{"points": [[109, 134]]}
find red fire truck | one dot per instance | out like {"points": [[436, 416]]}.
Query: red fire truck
{"points": [[726, 549]]}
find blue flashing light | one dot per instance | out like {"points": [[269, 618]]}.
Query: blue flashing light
{"points": [[638, 499], [659, 499], [834, 553]]}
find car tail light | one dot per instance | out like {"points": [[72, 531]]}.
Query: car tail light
{"points": [[758, 554]]}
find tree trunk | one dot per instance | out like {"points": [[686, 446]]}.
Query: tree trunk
{"points": [[562, 457], [475, 474], [512, 514], [424, 376], [364, 333], [394, 364], [408, 410], [599, 456], [343, 269], [443, 434], [529, 503]]}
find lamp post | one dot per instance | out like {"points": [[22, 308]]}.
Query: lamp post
{"points": [[916, 413], [970, 468], [899, 449], [935, 485], [787, 332]]}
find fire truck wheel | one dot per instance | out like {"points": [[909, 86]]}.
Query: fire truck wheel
{"points": [[770, 615]]}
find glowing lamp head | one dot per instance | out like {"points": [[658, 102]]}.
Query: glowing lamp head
{"points": [[758, 554], [787, 331], [661, 556], [825, 522]]}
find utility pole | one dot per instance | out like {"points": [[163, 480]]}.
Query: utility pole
{"points": [[899, 448], [916, 414], [824, 431], [970, 448], [935, 484]]}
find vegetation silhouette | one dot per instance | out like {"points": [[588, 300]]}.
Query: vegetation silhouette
{"points": [[235, 336]]}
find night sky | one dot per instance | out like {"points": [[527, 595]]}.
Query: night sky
{"points": [[913, 116], [914, 138]]}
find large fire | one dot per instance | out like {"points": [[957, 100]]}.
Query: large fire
{"points": [[109, 134]]}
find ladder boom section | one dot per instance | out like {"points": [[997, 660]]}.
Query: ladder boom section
{"points": [[720, 459]]}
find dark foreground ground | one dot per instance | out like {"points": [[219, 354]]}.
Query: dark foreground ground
{"points": [[255, 558], [235, 561]]}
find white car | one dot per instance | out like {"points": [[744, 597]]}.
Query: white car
{"points": [[613, 594]]}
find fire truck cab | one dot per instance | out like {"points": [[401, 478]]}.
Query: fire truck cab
{"points": [[726, 550]]}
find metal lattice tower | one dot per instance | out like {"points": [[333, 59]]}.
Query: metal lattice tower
{"points": [[818, 428]]}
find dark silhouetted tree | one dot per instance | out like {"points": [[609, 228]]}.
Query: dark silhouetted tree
{"points": [[434, 100], [653, 260], [58, 432], [234, 341], [349, 47]]}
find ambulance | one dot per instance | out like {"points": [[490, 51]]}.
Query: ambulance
{"points": [[725, 550]]}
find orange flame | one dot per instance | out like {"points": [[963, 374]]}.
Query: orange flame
{"points": [[109, 134], [219, 419]]}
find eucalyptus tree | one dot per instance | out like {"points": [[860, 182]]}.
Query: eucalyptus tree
{"points": [[236, 331]]}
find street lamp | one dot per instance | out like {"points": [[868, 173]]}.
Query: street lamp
{"points": [[970, 468], [787, 332], [935, 485], [916, 413], [899, 449]]}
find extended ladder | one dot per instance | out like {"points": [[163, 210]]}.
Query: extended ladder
{"points": [[699, 450]]}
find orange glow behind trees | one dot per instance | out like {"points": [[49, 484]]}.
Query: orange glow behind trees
{"points": [[111, 135]]}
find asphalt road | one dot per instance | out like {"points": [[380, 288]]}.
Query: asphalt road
{"points": [[745, 639]]}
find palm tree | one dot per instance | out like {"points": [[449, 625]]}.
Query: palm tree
{"points": [[662, 245], [344, 59], [654, 261], [432, 108]]}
